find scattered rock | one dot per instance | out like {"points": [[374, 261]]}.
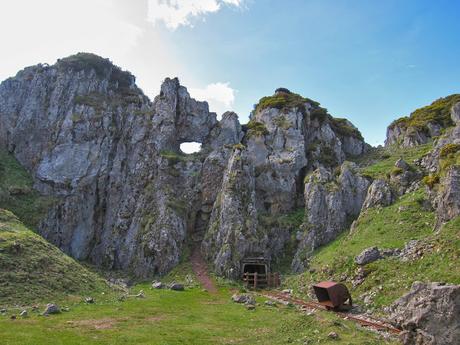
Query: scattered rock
{"points": [[157, 285], [361, 274], [176, 287], [287, 291], [270, 303], [89, 300], [23, 313], [141, 294], [3, 311], [333, 335], [51, 309], [368, 255], [250, 307], [428, 314], [244, 299]]}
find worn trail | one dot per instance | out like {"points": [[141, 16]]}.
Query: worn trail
{"points": [[201, 270]]}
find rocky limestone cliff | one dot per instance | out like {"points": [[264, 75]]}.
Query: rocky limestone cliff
{"points": [[129, 199], [423, 124]]}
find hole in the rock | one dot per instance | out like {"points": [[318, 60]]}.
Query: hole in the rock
{"points": [[255, 268], [190, 147]]}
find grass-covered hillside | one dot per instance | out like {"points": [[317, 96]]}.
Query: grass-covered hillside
{"points": [[436, 257], [17, 193], [33, 270]]}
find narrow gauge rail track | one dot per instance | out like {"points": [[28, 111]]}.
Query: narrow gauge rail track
{"points": [[366, 322]]}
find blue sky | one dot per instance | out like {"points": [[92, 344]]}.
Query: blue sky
{"points": [[369, 61]]}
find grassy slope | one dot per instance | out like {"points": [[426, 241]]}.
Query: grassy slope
{"points": [[189, 317], [17, 194], [388, 227], [32, 269]]}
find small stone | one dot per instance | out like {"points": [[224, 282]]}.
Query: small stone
{"points": [[157, 285], [250, 307], [333, 335], [3, 311], [270, 303], [176, 287], [23, 313], [89, 300], [141, 294], [65, 309], [51, 309], [287, 291]]}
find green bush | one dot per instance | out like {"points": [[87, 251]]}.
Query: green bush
{"points": [[396, 171], [282, 122], [319, 114], [431, 180], [344, 128], [448, 149], [256, 128]]}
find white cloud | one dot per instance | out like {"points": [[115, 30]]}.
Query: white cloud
{"points": [[220, 96], [175, 13], [42, 31]]}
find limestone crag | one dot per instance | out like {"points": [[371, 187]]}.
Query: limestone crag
{"points": [[128, 198], [331, 203]]}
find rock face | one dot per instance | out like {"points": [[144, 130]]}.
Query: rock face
{"points": [[429, 314], [379, 194], [127, 198], [330, 203], [424, 124]]}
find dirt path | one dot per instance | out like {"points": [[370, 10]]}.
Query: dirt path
{"points": [[201, 270]]}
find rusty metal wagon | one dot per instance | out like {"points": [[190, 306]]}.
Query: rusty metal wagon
{"points": [[332, 295]]}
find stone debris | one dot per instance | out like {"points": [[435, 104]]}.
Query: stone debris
{"points": [[51, 309], [176, 287]]}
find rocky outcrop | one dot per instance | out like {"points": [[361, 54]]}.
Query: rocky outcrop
{"points": [[367, 256], [424, 124], [448, 196], [429, 314], [331, 204], [89, 136], [379, 194], [127, 198]]}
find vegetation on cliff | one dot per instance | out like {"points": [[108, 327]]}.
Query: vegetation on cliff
{"points": [[437, 112]]}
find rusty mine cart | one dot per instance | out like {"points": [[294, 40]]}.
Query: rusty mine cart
{"points": [[334, 296]]}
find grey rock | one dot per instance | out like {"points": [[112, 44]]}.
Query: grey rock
{"points": [[23, 313], [329, 203], [244, 299], [368, 255], [176, 287], [89, 300], [455, 113], [428, 314], [157, 285], [51, 309], [448, 198], [379, 194]]}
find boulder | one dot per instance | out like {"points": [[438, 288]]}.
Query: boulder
{"points": [[176, 287], [157, 285], [243, 299], [428, 314], [378, 194], [368, 255], [51, 309]]}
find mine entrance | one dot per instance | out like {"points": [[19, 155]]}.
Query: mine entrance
{"points": [[256, 273]]}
